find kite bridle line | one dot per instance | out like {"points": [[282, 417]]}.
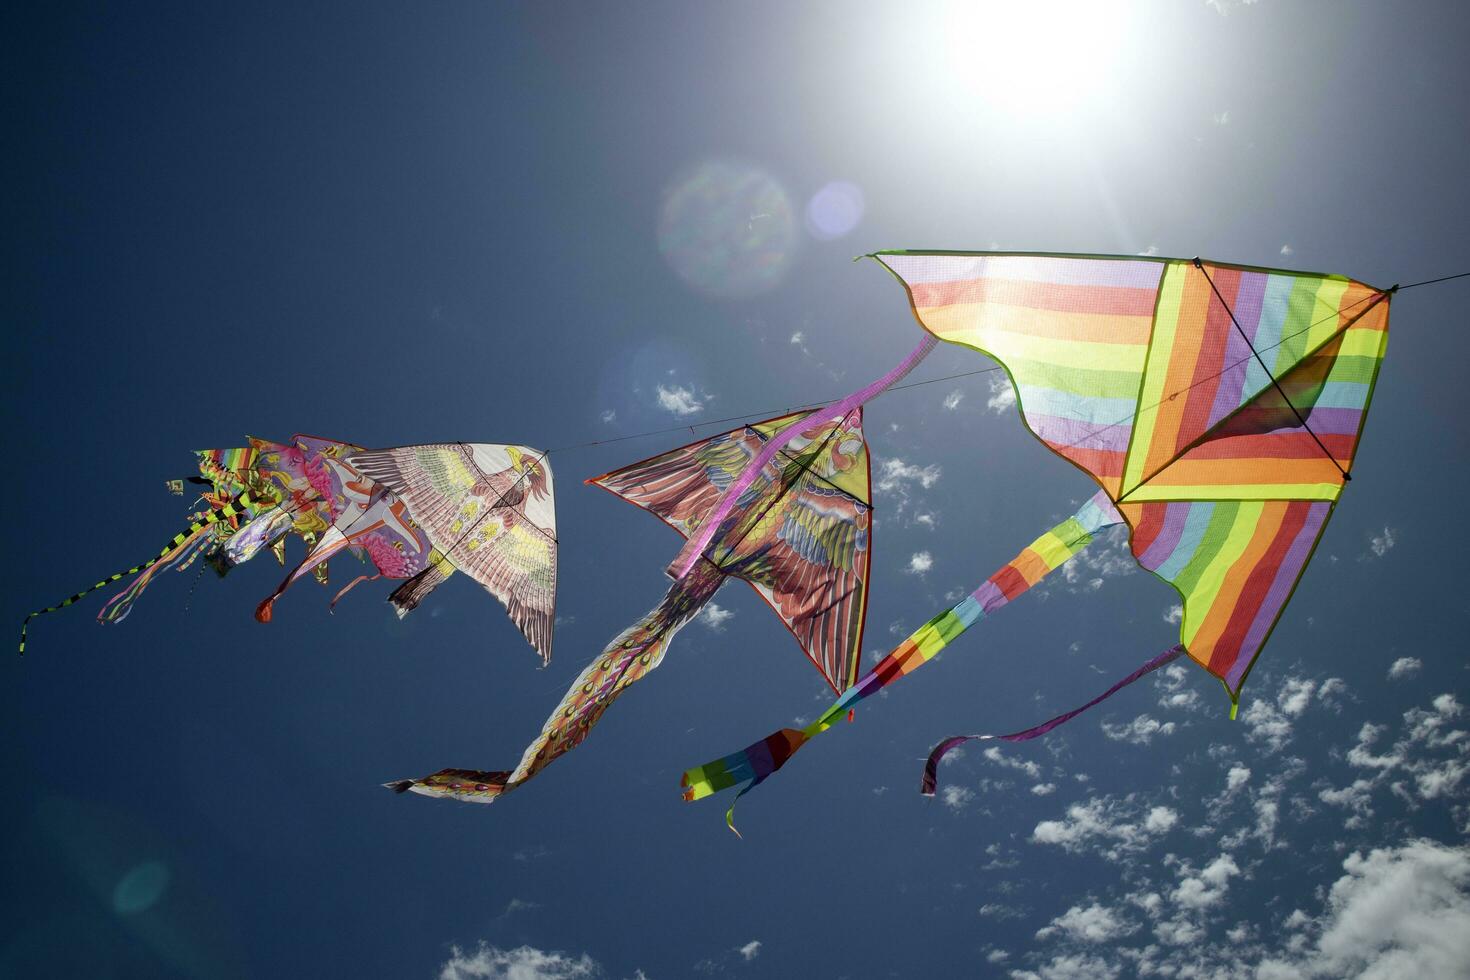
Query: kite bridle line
{"points": [[1261, 361]]}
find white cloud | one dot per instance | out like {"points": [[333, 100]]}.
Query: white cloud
{"points": [[751, 950], [1150, 251], [1397, 913], [925, 519], [1206, 889], [894, 473], [798, 339], [1287, 250], [1044, 789], [679, 400], [1222, 118], [1382, 544], [1093, 924], [995, 755], [1405, 667], [956, 797], [1072, 966], [1002, 395], [920, 562], [1174, 615], [1140, 731], [522, 963], [714, 616], [953, 399], [1237, 777], [1114, 827], [609, 416]]}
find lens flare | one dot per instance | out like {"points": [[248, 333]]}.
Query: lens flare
{"points": [[140, 889], [834, 211], [728, 229]]}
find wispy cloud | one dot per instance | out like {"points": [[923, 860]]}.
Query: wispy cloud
{"points": [[488, 962], [1287, 250], [1381, 544], [1092, 924], [714, 617], [679, 400], [953, 399], [608, 416], [1111, 827], [920, 562], [750, 950], [1002, 394], [1139, 731], [1404, 667]]}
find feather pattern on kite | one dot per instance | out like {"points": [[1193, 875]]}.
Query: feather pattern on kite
{"points": [[489, 511], [799, 535]]}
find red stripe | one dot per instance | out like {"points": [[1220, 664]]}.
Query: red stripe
{"points": [[1253, 593], [1102, 463], [1277, 445], [1010, 581], [1114, 300], [1150, 525], [1209, 359]]}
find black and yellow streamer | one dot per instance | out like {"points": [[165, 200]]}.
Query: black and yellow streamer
{"points": [[235, 508]]}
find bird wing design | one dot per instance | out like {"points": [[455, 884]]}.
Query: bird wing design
{"points": [[490, 537], [808, 558], [681, 486]]}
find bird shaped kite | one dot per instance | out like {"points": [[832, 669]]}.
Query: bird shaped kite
{"points": [[1217, 406], [799, 534], [490, 512], [259, 494]]}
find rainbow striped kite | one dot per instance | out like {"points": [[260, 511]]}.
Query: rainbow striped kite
{"points": [[1218, 407]]}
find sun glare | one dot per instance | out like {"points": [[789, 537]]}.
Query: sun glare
{"points": [[1029, 57]]}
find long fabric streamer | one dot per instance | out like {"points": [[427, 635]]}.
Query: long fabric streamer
{"points": [[694, 546], [931, 767], [1046, 554], [235, 508]]}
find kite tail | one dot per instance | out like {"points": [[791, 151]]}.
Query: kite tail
{"points": [[117, 608], [1047, 553], [349, 587], [406, 597], [694, 546], [630, 656], [331, 542], [931, 767], [230, 510]]}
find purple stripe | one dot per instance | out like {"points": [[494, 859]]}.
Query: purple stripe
{"points": [[1286, 577], [1027, 268], [1229, 395], [1078, 433], [1175, 516], [989, 596]]}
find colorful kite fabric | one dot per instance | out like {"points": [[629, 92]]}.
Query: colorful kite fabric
{"points": [[490, 512], [1046, 554], [1219, 407], [259, 494], [799, 534]]}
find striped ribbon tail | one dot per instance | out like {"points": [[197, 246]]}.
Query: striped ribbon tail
{"points": [[696, 544], [1044, 555], [235, 508], [116, 609], [931, 767]]}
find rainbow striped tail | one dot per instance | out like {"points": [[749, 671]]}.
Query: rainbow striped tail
{"points": [[1045, 555]]}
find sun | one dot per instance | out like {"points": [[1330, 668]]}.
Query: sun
{"points": [[1029, 57]]}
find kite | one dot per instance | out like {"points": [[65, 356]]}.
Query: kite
{"points": [[259, 494], [1218, 407], [800, 534], [490, 512]]}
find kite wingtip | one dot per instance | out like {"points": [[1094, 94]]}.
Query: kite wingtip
{"points": [[399, 785]]}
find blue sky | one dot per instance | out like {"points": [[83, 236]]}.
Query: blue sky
{"points": [[483, 222]]}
